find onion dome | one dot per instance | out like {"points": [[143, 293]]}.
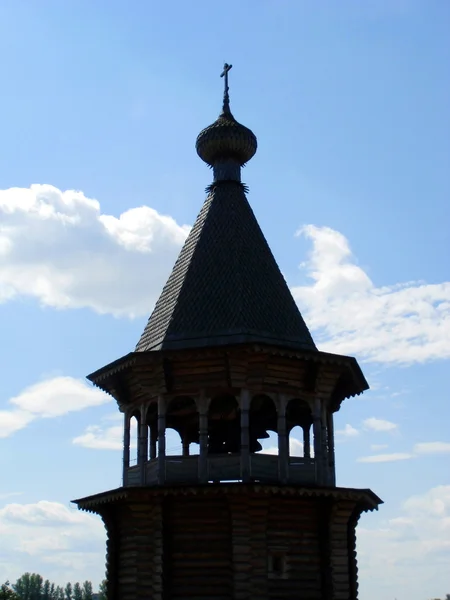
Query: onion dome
{"points": [[226, 138]]}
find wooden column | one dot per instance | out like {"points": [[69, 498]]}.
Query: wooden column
{"points": [[161, 440], [331, 458], [323, 421], [153, 435], [126, 447], [143, 445], [307, 441], [283, 440], [185, 447], [317, 429], [203, 438], [245, 435]]}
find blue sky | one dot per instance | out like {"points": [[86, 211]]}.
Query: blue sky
{"points": [[349, 101]]}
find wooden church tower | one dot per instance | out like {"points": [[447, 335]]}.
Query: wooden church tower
{"points": [[225, 358]]}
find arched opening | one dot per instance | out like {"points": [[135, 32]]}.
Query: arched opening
{"points": [[135, 420], [152, 424], [173, 442], [299, 426], [296, 447], [224, 428], [270, 444], [262, 420], [182, 426]]}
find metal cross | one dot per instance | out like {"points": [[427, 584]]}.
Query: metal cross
{"points": [[226, 97], [226, 68]]}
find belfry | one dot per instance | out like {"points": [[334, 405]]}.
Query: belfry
{"points": [[224, 359]]}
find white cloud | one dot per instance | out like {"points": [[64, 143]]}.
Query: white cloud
{"points": [[59, 248], [377, 458], [99, 438], [47, 399], [348, 432], [105, 438], [49, 532], [376, 447], [4, 495], [295, 448], [41, 513], [59, 396], [412, 547], [13, 420], [404, 323], [379, 424], [423, 449], [432, 448]]}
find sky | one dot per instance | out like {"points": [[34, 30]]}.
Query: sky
{"points": [[100, 106]]}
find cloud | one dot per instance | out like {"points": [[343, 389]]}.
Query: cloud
{"points": [[432, 448], [47, 399], [379, 424], [348, 432], [422, 449], [50, 538], [58, 247], [376, 458], [377, 447], [13, 420], [99, 437], [5, 495], [404, 324], [295, 448], [412, 546]]}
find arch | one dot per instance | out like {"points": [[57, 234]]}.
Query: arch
{"points": [[270, 444], [296, 444], [224, 427], [135, 421], [298, 412], [262, 419], [152, 429], [182, 417], [299, 421], [173, 442]]}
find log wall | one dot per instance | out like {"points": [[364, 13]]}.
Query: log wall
{"points": [[220, 546]]}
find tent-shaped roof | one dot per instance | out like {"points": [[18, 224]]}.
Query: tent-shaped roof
{"points": [[226, 286]]}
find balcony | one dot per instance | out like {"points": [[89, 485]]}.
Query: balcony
{"points": [[223, 468]]}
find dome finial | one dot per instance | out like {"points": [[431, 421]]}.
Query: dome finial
{"points": [[226, 145], [226, 97]]}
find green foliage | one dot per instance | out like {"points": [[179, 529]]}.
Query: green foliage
{"points": [[102, 595], [77, 592], [7, 593], [46, 590], [31, 586], [87, 590]]}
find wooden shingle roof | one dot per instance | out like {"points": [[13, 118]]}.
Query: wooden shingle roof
{"points": [[226, 286]]}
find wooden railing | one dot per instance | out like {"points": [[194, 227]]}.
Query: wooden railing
{"points": [[225, 467]]}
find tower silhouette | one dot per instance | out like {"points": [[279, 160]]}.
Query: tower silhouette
{"points": [[224, 359]]}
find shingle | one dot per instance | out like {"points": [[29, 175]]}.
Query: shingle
{"points": [[226, 286]]}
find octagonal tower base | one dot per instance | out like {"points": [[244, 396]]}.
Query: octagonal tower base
{"points": [[231, 541]]}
